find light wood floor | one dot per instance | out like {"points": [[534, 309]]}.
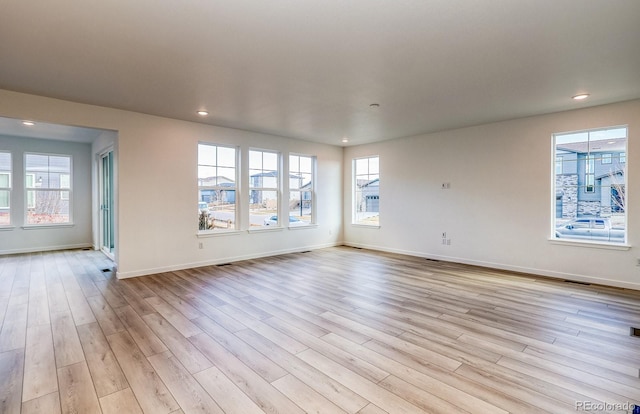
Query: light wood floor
{"points": [[329, 331]]}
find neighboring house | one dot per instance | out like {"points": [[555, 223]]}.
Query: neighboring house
{"points": [[306, 195], [223, 193], [268, 180], [369, 195], [590, 178], [263, 180]]}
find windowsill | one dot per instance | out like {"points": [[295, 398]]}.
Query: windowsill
{"points": [[7, 228], [47, 226], [306, 226], [366, 226], [205, 234], [591, 244], [265, 229]]}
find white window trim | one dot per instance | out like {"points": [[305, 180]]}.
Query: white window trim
{"points": [[314, 171], [65, 195], [277, 190], [236, 188], [354, 190], [9, 188], [47, 226], [216, 233], [588, 243], [69, 223], [26, 190]]}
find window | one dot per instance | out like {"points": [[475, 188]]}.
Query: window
{"points": [[590, 197], [366, 196], [264, 188], [559, 164], [301, 171], [5, 188], [48, 189], [217, 178], [589, 176], [30, 179]]}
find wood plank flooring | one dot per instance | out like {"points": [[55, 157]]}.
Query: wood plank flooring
{"points": [[337, 330]]}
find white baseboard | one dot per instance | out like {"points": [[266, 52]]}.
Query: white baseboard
{"points": [[492, 265], [182, 266], [46, 249]]}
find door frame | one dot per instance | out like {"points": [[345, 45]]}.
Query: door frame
{"points": [[109, 205]]}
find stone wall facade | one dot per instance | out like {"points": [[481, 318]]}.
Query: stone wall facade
{"points": [[589, 208], [567, 185]]}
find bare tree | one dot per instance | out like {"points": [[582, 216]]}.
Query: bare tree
{"points": [[618, 191]]}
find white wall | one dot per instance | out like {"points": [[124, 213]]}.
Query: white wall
{"points": [[498, 210], [18, 239], [157, 186]]}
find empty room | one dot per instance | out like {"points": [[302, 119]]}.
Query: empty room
{"points": [[320, 207]]}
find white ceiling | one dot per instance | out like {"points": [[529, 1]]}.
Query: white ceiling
{"points": [[15, 128], [310, 69]]}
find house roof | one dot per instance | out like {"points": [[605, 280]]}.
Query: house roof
{"points": [[368, 183], [310, 70], [217, 180]]}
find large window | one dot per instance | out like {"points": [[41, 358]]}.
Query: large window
{"points": [[264, 188], [301, 183], [366, 185], [48, 189], [590, 185], [5, 188], [217, 178]]}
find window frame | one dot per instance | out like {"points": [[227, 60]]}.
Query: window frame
{"points": [[34, 189], [559, 164], [218, 187], [262, 188], [589, 174], [356, 198], [603, 177], [310, 191], [8, 188]]}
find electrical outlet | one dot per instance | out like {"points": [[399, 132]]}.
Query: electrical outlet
{"points": [[446, 186], [444, 234], [200, 246], [637, 262]]}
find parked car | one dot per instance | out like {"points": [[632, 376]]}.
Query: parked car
{"points": [[590, 228], [293, 221]]}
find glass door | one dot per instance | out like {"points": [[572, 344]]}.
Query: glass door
{"points": [[107, 239]]}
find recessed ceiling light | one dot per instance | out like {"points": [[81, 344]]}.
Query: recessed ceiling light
{"points": [[374, 106], [580, 96], [28, 123], [345, 139], [203, 113]]}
